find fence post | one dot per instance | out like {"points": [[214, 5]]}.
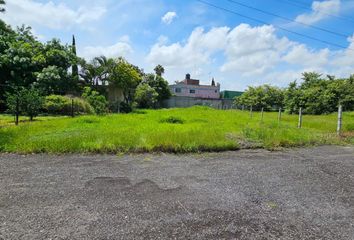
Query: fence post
{"points": [[339, 124], [72, 107], [17, 111], [251, 112], [262, 113], [279, 115], [299, 125], [243, 107]]}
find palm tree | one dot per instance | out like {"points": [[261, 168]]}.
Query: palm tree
{"points": [[105, 66], [159, 70], [2, 2]]}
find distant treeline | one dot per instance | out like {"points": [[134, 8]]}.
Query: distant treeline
{"points": [[31, 70], [315, 95]]}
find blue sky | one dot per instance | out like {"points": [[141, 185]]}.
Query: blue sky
{"points": [[189, 36]]}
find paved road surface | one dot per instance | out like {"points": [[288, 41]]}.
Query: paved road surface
{"points": [[253, 194]]}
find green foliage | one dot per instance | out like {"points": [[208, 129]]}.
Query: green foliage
{"points": [[320, 96], [160, 85], [97, 71], [2, 2], [33, 102], [126, 77], [23, 58], [25, 101], [265, 96], [97, 101], [125, 107], [159, 70], [62, 105], [48, 81], [145, 96]]}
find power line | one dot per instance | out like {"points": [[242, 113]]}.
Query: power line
{"points": [[305, 6], [288, 19], [276, 26]]}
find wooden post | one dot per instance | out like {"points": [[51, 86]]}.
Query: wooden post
{"points": [[262, 113], [243, 107], [72, 107], [339, 124], [279, 115], [299, 125], [17, 111], [251, 112]]}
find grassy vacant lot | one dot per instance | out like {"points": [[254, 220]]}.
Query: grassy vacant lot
{"points": [[174, 130]]}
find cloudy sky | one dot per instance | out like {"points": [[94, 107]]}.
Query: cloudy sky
{"points": [[188, 36]]}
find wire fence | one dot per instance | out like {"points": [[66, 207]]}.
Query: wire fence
{"points": [[300, 114]]}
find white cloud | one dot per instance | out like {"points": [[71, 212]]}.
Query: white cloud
{"points": [[195, 51], [247, 55], [120, 49], [320, 11], [169, 17], [301, 55], [125, 38], [51, 15], [252, 51]]}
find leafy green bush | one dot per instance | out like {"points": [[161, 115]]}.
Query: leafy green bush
{"points": [[145, 96], [97, 101], [25, 101], [125, 107], [61, 105]]}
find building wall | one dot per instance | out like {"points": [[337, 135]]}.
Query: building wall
{"points": [[115, 95], [182, 102], [198, 91]]}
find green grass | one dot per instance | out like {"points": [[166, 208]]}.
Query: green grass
{"points": [[171, 130]]}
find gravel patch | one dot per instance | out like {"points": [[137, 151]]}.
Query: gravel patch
{"points": [[249, 194]]}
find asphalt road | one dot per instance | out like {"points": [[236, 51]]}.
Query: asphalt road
{"points": [[251, 194]]}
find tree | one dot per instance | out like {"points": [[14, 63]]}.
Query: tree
{"points": [[33, 102], [104, 68], [14, 102], [145, 96], [318, 95], [159, 70], [125, 77], [160, 85], [2, 2], [293, 99], [49, 81], [97, 101], [265, 96], [24, 101], [97, 71], [74, 67]]}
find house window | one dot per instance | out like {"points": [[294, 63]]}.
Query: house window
{"points": [[178, 90], [216, 91], [192, 91]]}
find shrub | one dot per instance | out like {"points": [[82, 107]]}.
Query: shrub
{"points": [[145, 96], [125, 107], [25, 101], [56, 104], [97, 101]]}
